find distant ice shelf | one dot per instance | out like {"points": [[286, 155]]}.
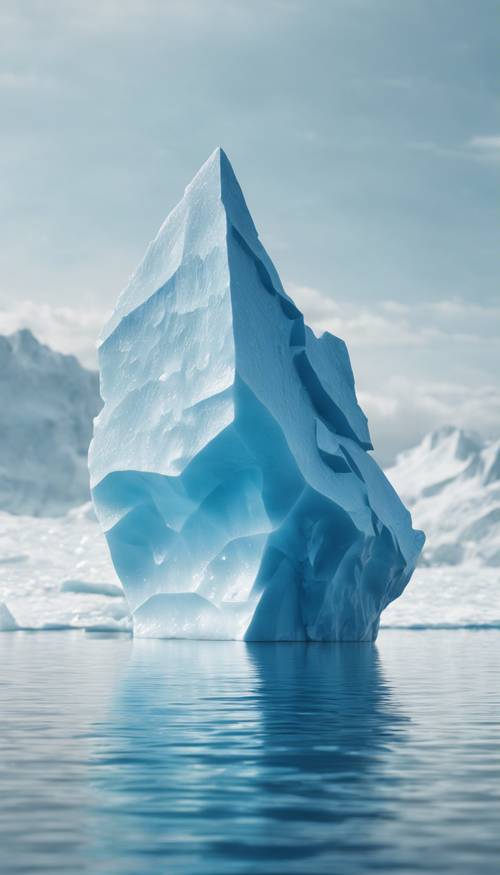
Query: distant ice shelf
{"points": [[229, 465], [62, 576]]}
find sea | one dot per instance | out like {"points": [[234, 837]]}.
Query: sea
{"points": [[144, 757]]}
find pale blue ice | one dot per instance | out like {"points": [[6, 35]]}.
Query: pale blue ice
{"points": [[230, 464]]}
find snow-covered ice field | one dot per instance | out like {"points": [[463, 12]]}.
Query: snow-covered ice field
{"points": [[56, 573], [462, 596]]}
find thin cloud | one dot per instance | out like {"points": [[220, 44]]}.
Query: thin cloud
{"points": [[395, 323], [486, 149], [65, 329], [477, 148], [411, 408], [485, 143]]}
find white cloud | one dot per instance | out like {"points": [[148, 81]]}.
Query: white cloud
{"points": [[477, 148], [485, 147], [411, 408], [486, 144], [24, 81], [66, 329], [392, 323]]}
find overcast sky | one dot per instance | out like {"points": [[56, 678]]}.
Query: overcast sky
{"points": [[366, 137]]}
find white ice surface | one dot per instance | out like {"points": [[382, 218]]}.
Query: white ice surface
{"points": [[465, 596], [40, 557]]}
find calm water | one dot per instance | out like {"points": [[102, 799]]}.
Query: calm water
{"points": [[145, 757]]}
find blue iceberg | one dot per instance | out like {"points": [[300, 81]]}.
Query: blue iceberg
{"points": [[229, 465]]}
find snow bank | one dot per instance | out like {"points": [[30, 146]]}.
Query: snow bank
{"points": [[59, 582]]}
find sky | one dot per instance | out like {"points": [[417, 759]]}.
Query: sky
{"points": [[365, 135]]}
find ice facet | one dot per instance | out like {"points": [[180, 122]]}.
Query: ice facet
{"points": [[229, 465]]}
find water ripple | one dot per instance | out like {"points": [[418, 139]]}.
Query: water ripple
{"points": [[121, 756]]}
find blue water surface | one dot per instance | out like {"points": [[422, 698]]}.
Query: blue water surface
{"points": [[165, 757]]}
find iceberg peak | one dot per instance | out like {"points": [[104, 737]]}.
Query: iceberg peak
{"points": [[229, 465]]}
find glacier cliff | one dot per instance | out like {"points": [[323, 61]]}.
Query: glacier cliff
{"points": [[229, 464], [48, 401]]}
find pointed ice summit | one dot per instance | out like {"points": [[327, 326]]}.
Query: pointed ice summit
{"points": [[229, 464]]}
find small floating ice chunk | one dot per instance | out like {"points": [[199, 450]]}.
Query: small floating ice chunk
{"points": [[15, 559], [87, 587], [7, 620]]}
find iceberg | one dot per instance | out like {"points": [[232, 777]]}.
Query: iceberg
{"points": [[230, 466]]}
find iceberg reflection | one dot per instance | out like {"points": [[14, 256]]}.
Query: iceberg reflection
{"points": [[219, 757]]}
